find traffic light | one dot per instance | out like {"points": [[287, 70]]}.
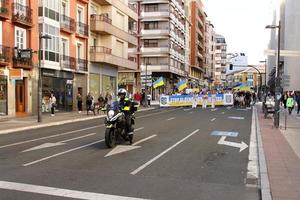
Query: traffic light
{"points": [[231, 66]]}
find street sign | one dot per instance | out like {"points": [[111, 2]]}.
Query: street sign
{"points": [[25, 53]]}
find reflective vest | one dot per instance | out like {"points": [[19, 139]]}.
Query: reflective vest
{"points": [[290, 102]]}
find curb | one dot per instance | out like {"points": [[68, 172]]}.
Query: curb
{"points": [[58, 123], [263, 171]]}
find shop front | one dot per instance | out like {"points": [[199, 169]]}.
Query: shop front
{"points": [[3, 93], [127, 80], [61, 84]]}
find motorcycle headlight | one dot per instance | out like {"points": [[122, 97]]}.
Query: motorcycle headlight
{"points": [[110, 113]]}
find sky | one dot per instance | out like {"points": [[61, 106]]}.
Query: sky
{"points": [[242, 23]]}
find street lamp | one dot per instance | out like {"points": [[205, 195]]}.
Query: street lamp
{"points": [[39, 103], [277, 79]]}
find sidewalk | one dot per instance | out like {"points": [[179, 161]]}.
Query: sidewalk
{"points": [[9, 125], [282, 155]]}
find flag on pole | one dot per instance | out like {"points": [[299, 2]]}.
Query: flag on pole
{"points": [[159, 82], [181, 85]]}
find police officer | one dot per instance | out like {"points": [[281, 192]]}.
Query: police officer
{"points": [[126, 107]]}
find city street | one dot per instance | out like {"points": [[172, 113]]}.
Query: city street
{"points": [[178, 153]]}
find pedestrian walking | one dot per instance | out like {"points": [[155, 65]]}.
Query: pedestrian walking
{"points": [[194, 100], [79, 102], [101, 102], [290, 103], [52, 101], [204, 100], [89, 102], [213, 99], [298, 103], [149, 99]]}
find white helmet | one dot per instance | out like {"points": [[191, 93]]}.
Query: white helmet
{"points": [[122, 91]]}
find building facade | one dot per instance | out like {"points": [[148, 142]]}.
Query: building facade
{"points": [[220, 61], [210, 53], [162, 43], [112, 34], [64, 56], [18, 60], [197, 41]]}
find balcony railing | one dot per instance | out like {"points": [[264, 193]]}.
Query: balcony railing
{"points": [[67, 23], [82, 28], [22, 63], [132, 7], [4, 54], [81, 65], [22, 14], [103, 17], [67, 62], [100, 49], [4, 12]]}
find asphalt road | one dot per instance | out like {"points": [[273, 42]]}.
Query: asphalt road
{"points": [[174, 157]]}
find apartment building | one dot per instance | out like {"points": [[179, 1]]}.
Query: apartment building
{"points": [[18, 58], [197, 40], [162, 42], [64, 56], [220, 61], [210, 52], [287, 12], [113, 33]]}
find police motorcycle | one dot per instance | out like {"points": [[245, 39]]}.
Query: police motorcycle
{"points": [[115, 123]]}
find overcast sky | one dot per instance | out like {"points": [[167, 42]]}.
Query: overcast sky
{"points": [[242, 22]]}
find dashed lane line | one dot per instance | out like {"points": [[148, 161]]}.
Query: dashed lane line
{"points": [[161, 154], [52, 191], [213, 119], [171, 118]]}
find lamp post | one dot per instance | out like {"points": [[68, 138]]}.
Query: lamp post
{"points": [[39, 97], [277, 78]]}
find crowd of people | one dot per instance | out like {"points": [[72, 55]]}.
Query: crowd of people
{"points": [[244, 99]]}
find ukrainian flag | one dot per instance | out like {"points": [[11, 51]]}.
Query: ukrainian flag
{"points": [[159, 82], [181, 85]]}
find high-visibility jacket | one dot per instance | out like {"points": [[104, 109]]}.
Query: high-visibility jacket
{"points": [[290, 102]]}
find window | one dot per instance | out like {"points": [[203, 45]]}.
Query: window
{"points": [[64, 47], [20, 38], [151, 7], [50, 9], [50, 46], [80, 14], [150, 43], [79, 51], [150, 25], [64, 8]]}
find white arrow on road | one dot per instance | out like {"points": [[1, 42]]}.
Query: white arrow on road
{"points": [[47, 145], [241, 145], [123, 148]]}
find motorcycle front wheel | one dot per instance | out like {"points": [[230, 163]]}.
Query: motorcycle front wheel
{"points": [[110, 137]]}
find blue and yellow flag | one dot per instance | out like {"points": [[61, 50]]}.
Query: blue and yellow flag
{"points": [[181, 85], [159, 82]]}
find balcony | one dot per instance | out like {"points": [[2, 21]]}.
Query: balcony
{"points": [[156, 32], [103, 25], [160, 13], [22, 14], [82, 29], [4, 55], [163, 49], [4, 11], [22, 63], [67, 62], [104, 55], [67, 24], [121, 6], [81, 65]]}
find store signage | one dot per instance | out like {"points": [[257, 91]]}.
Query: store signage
{"points": [[16, 74], [25, 53]]}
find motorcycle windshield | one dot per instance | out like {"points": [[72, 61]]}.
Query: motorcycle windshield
{"points": [[115, 106]]}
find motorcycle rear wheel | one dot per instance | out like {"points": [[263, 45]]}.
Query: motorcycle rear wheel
{"points": [[110, 137]]}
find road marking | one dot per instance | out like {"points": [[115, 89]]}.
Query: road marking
{"points": [[223, 113], [149, 115], [49, 144], [187, 109], [191, 112], [52, 191], [138, 129], [59, 154], [171, 118], [213, 119], [161, 154], [123, 148], [240, 118], [214, 109], [51, 136], [242, 146], [225, 133]]}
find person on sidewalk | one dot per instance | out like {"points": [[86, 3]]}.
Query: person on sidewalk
{"points": [[298, 103], [89, 102], [79, 102], [290, 103], [52, 103]]}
